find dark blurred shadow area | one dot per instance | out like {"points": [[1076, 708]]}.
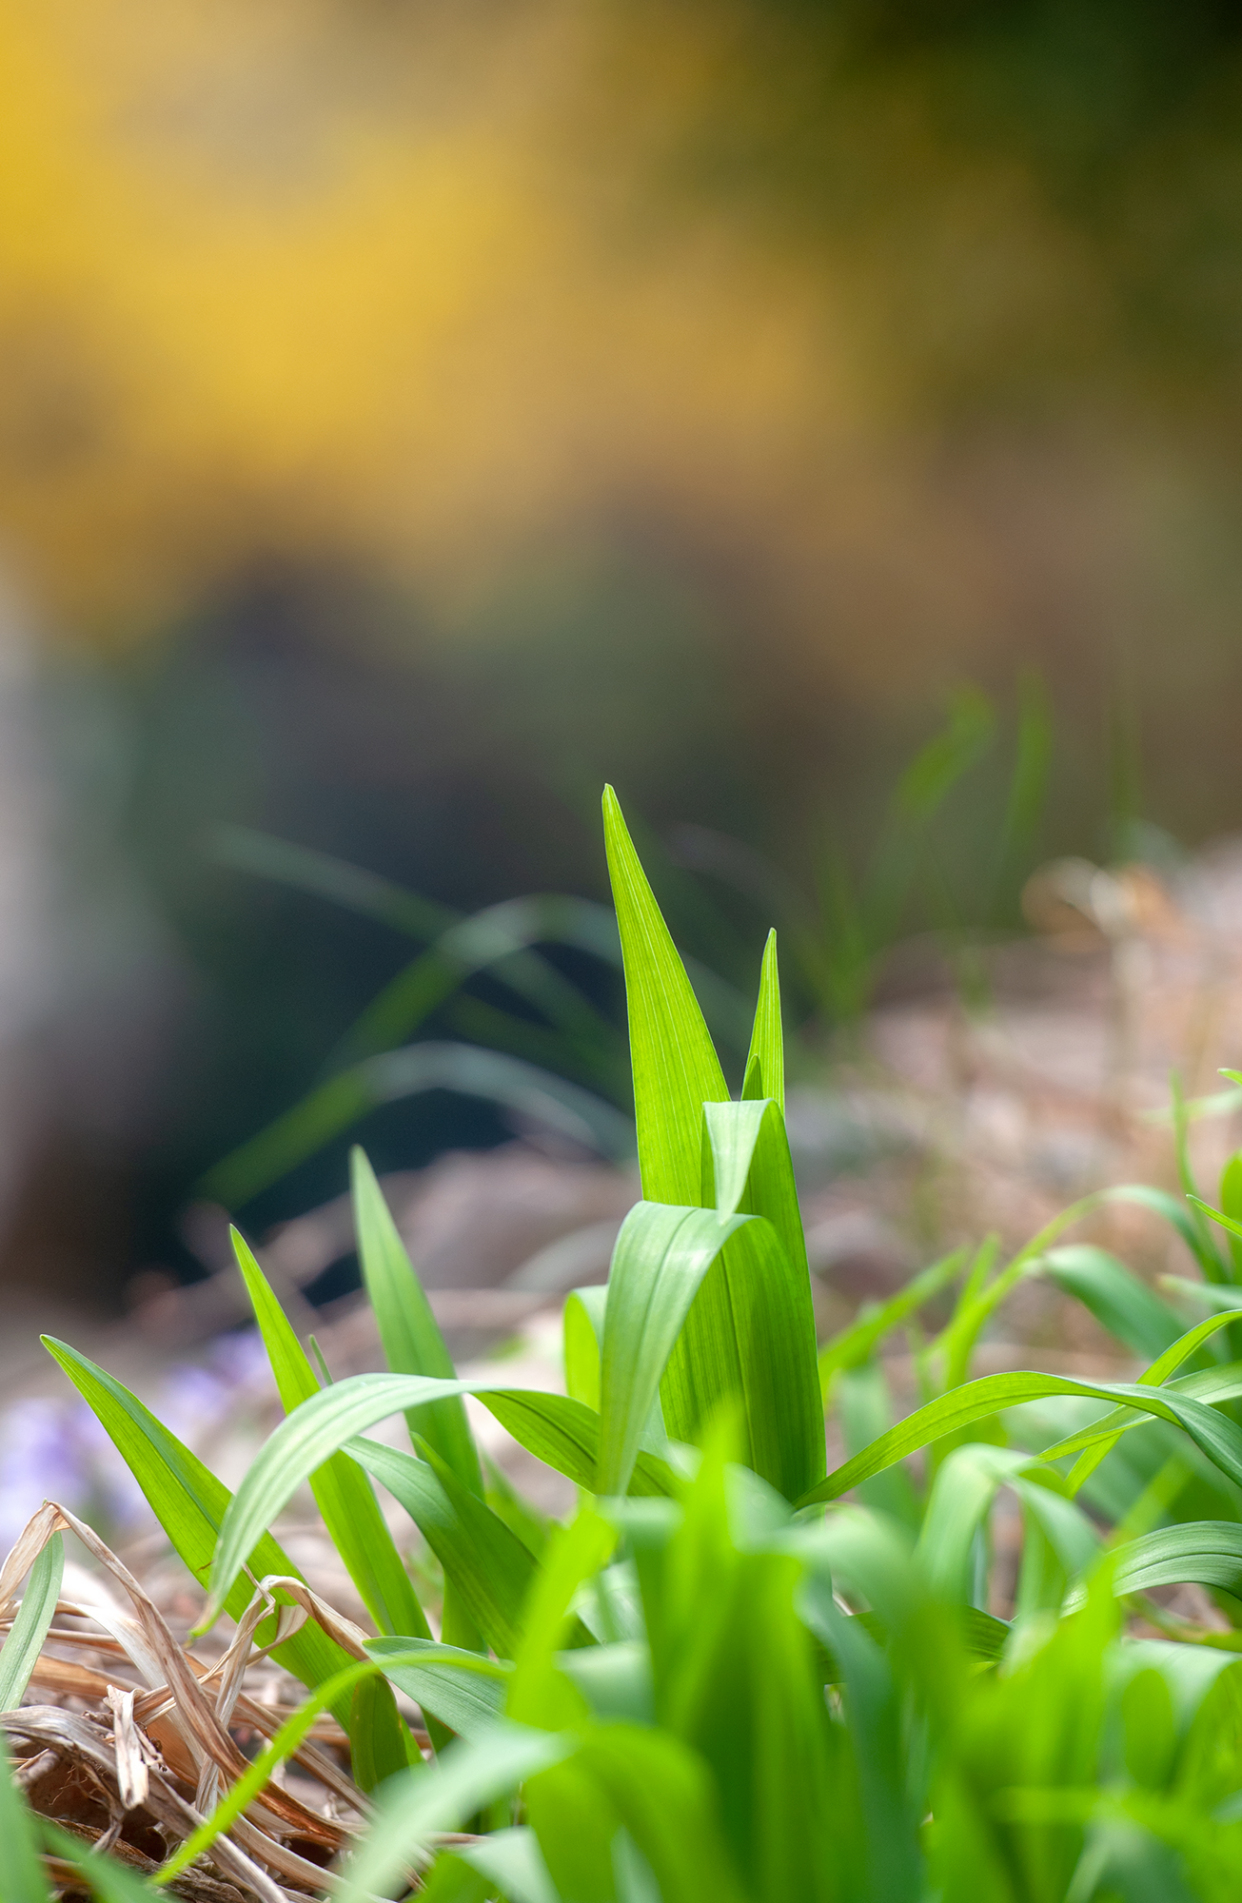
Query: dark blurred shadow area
{"points": [[411, 419]]}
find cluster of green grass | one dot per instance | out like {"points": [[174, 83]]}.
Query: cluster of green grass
{"points": [[720, 1679]]}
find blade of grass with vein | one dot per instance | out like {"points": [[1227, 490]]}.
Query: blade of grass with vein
{"points": [[104, 1877], [765, 1061], [465, 1690], [583, 1326], [408, 1331], [662, 1255], [1204, 1553], [755, 1345], [324, 1424], [565, 1434], [676, 1070], [1212, 1385], [750, 1333], [377, 1748], [1229, 1223], [487, 1566], [24, 1881], [342, 1492], [751, 1170], [190, 1504], [21, 1649], [1213, 1434], [1099, 1441]]}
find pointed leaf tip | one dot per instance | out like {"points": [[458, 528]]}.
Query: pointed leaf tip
{"points": [[675, 1067]]}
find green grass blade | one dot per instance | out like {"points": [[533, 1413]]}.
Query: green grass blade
{"points": [[1207, 1294], [511, 1861], [1231, 1203], [469, 1776], [20, 1867], [765, 1061], [855, 1343], [377, 1748], [748, 1334], [565, 1434], [408, 1331], [1230, 1224], [106, 1878], [191, 1504], [980, 1298], [730, 1138], [663, 1794], [1214, 1435], [873, 1715], [487, 1566], [342, 1492], [961, 1497], [21, 1649], [583, 1327], [1122, 1304], [676, 1070], [1187, 1221], [752, 1344], [769, 1334], [1215, 1384], [1204, 1553], [662, 1255], [1212, 1385], [325, 1423], [755, 1317], [751, 1170], [540, 1692], [464, 1690], [1073, 1538], [502, 932]]}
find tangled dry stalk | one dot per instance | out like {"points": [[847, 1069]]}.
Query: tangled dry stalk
{"points": [[140, 1737]]}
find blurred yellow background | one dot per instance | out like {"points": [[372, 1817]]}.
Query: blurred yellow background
{"points": [[410, 417], [873, 303]]}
